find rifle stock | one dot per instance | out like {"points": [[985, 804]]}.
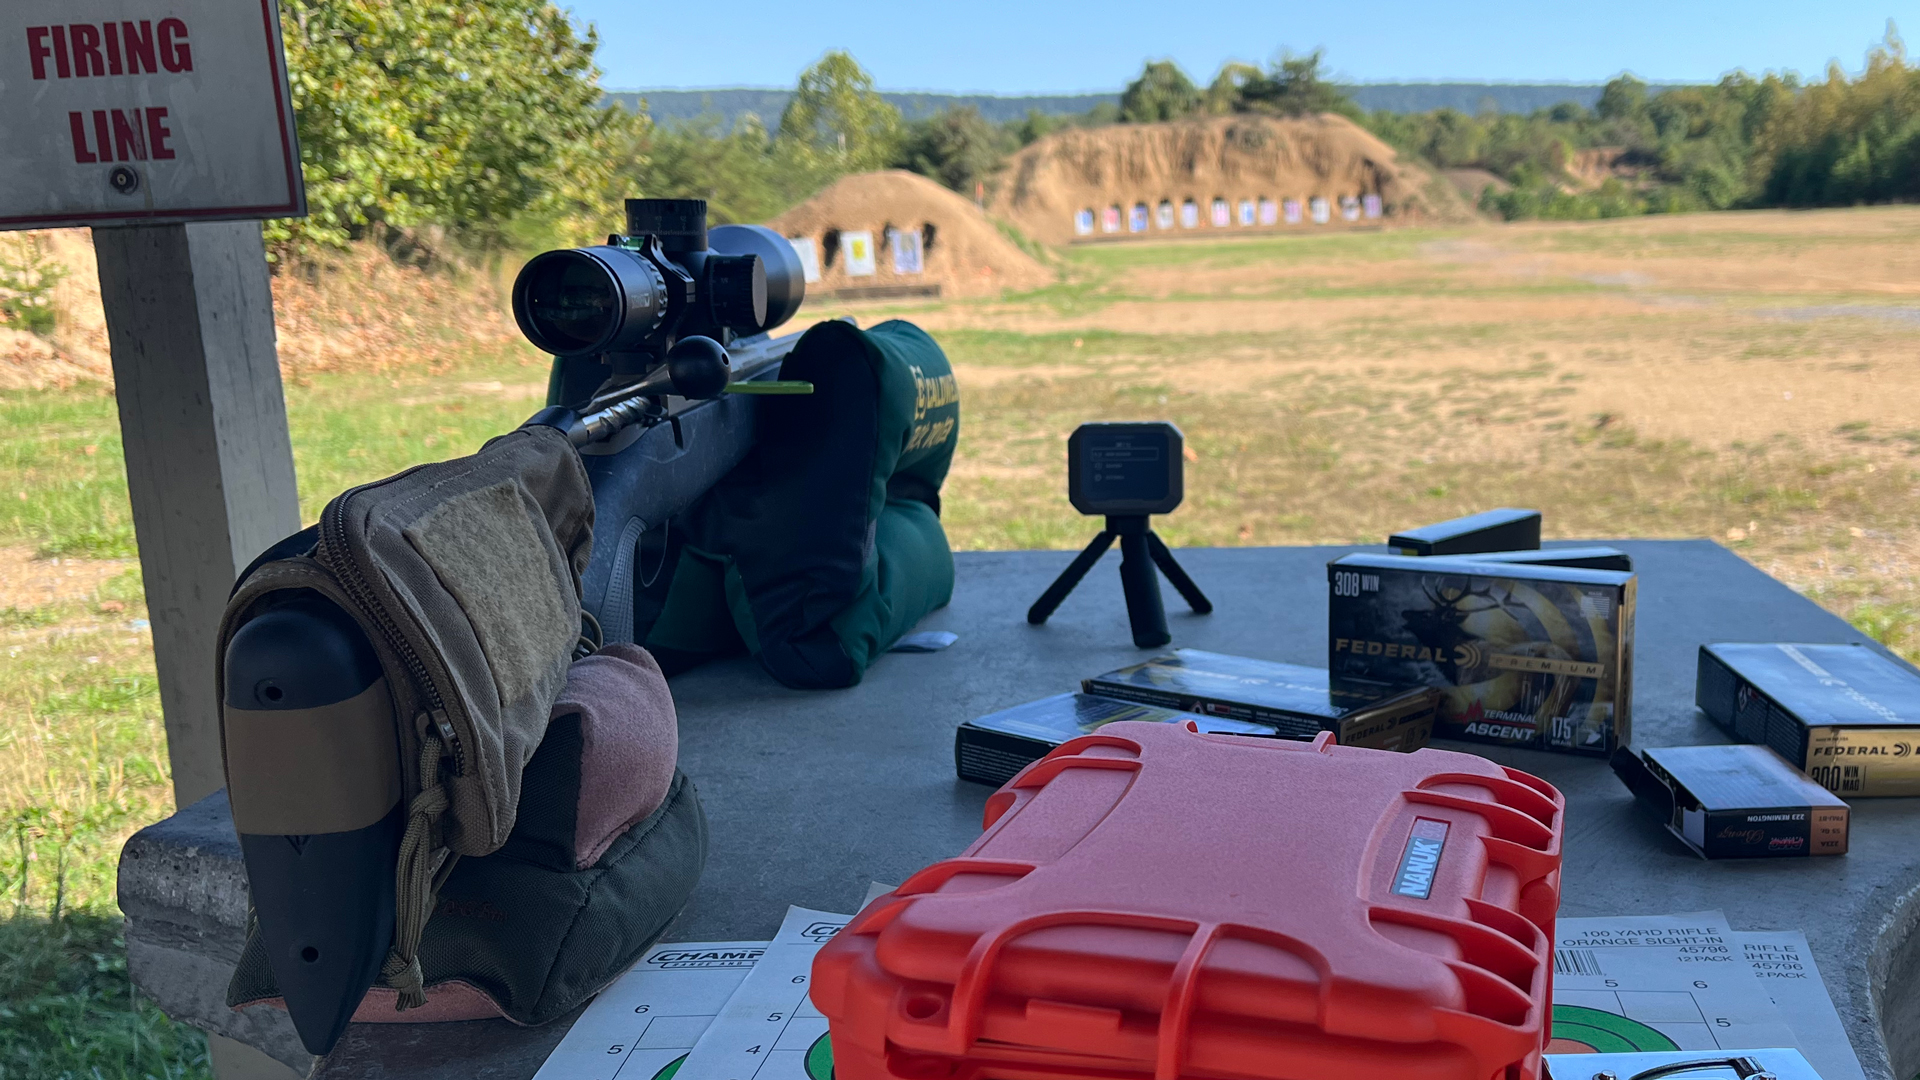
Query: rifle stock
{"points": [[646, 474]]}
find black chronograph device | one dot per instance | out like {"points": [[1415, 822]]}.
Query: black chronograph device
{"points": [[1126, 468], [1127, 472]]}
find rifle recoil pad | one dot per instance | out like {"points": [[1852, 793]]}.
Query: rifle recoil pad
{"points": [[313, 777]]}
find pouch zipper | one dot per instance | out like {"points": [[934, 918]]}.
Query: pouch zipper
{"points": [[331, 551]]}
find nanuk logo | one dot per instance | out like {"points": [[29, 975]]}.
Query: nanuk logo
{"points": [[1421, 859]]}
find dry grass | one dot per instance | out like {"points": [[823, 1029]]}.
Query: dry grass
{"points": [[1746, 377], [364, 309]]}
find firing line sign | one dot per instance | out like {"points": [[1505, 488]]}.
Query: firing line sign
{"points": [[124, 112]]}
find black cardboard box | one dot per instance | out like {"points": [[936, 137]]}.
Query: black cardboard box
{"points": [[1532, 656], [1846, 714], [1294, 701], [1736, 802], [1505, 529], [992, 748], [1593, 557]]}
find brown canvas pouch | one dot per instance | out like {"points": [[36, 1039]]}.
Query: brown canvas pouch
{"points": [[465, 576]]}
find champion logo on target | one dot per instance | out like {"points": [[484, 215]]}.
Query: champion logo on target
{"points": [[1421, 859]]}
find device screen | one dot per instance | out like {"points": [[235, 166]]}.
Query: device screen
{"points": [[1126, 466]]}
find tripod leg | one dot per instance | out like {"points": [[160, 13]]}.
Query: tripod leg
{"points": [[1142, 587], [1068, 578], [1177, 574]]}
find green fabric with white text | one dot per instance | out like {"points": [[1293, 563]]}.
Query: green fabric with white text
{"points": [[824, 546]]}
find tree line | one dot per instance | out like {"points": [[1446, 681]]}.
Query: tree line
{"points": [[485, 118], [1744, 142]]}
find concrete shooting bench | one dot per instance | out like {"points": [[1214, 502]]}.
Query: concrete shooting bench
{"points": [[813, 795]]}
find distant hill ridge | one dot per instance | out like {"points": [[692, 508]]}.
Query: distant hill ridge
{"points": [[730, 104]]}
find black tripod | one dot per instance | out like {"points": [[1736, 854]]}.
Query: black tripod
{"points": [[1140, 550]]}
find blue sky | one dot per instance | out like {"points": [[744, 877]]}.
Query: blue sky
{"points": [[1012, 47]]}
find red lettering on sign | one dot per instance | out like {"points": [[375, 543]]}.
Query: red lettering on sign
{"points": [[60, 65], [82, 155], [129, 141], [174, 53], [112, 30], [139, 39], [157, 135], [85, 39], [100, 136], [37, 50], [130, 48]]}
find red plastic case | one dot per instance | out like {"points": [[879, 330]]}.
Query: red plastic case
{"points": [[1149, 901]]}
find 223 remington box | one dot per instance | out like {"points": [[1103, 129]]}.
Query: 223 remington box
{"points": [[992, 748], [1522, 655], [1293, 701], [1846, 714], [1735, 802]]}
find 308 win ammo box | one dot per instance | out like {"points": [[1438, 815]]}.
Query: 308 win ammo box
{"points": [[1150, 901], [1845, 714], [1523, 655]]}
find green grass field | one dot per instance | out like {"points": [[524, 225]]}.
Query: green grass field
{"points": [[1639, 378]]}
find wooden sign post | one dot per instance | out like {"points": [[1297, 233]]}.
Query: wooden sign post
{"points": [[167, 127]]}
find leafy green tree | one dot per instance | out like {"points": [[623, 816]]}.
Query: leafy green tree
{"points": [[957, 147], [1226, 93], [1846, 140], [1293, 86], [1035, 126], [434, 111], [1623, 98], [744, 175], [1162, 92], [838, 120]]}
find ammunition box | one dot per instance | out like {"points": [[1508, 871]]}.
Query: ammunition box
{"points": [[1522, 655], [1295, 702], [1847, 715], [1736, 802], [1584, 558], [1495, 530]]}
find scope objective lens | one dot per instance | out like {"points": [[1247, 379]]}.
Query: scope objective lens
{"points": [[588, 300]]}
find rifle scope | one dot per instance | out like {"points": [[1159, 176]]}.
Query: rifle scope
{"points": [[666, 278]]}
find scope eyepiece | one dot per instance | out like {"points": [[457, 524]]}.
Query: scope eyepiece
{"points": [[588, 300]]}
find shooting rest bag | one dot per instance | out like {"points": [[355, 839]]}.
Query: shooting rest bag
{"points": [[465, 577], [824, 546], [608, 844]]}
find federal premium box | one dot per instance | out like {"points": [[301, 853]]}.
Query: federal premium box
{"points": [[1522, 655], [1846, 714]]}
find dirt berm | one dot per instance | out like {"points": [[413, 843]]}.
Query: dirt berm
{"points": [[960, 252], [1135, 180]]}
